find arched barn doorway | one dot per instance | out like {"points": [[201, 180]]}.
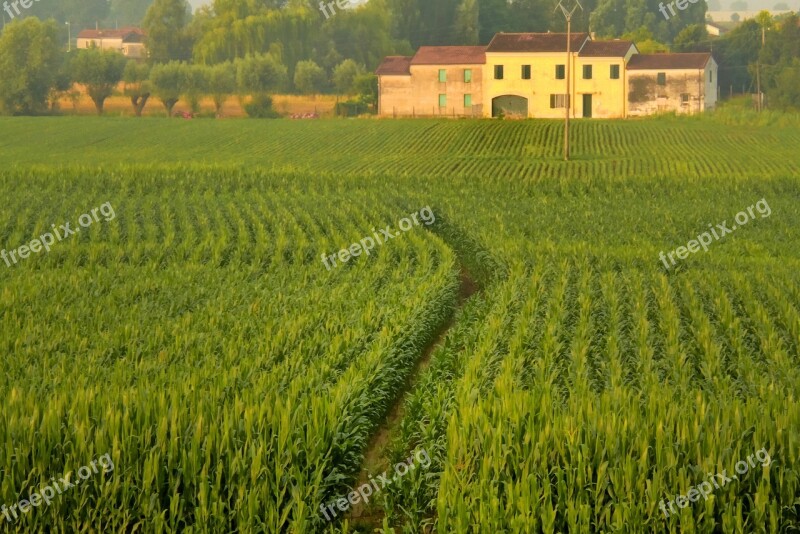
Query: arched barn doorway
{"points": [[510, 105]]}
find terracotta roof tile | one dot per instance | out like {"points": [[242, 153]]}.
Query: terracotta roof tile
{"points": [[614, 48], [536, 42], [121, 33], [450, 55], [394, 66], [668, 61]]}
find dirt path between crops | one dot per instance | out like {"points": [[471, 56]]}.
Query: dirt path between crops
{"points": [[375, 460]]}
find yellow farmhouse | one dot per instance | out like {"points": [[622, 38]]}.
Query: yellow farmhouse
{"points": [[525, 75]]}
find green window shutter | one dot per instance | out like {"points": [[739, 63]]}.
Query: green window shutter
{"points": [[442, 75], [467, 101], [442, 101], [615, 72], [526, 72], [662, 78], [498, 72], [467, 75], [561, 72], [587, 72]]}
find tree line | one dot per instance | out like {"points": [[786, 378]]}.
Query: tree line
{"points": [[264, 46], [35, 73]]}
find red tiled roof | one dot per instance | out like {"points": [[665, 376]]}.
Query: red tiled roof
{"points": [[615, 48], [668, 61], [394, 66], [536, 42], [450, 55], [120, 33]]}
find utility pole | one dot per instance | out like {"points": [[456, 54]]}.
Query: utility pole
{"points": [[758, 68], [568, 95]]}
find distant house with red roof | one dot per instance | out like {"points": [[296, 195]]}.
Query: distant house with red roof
{"points": [[128, 41], [525, 75]]}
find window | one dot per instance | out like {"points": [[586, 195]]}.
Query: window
{"points": [[526, 72], [587, 72], [467, 101], [684, 98], [615, 72], [710, 76], [558, 101], [467, 75], [560, 72], [498, 72], [442, 101], [661, 78], [442, 75]]}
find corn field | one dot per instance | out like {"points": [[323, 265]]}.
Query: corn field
{"points": [[238, 384]]}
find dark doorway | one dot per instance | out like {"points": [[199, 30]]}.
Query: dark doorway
{"points": [[510, 105], [587, 106]]}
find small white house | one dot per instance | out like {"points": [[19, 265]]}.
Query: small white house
{"points": [[127, 41]]}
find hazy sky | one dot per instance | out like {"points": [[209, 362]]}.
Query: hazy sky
{"points": [[752, 4]]}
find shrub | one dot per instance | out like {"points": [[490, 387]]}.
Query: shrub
{"points": [[260, 107], [309, 77]]}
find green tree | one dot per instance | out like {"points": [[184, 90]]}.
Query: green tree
{"points": [[538, 16], [614, 17], [221, 84], [362, 34], [137, 86], [100, 71], [366, 86], [778, 56], [645, 42], [309, 77], [236, 29], [786, 92], [197, 85], [169, 82], [260, 73], [734, 52], [129, 12], [80, 13], [693, 38], [405, 21], [168, 37], [30, 63], [63, 84], [345, 74], [467, 23]]}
